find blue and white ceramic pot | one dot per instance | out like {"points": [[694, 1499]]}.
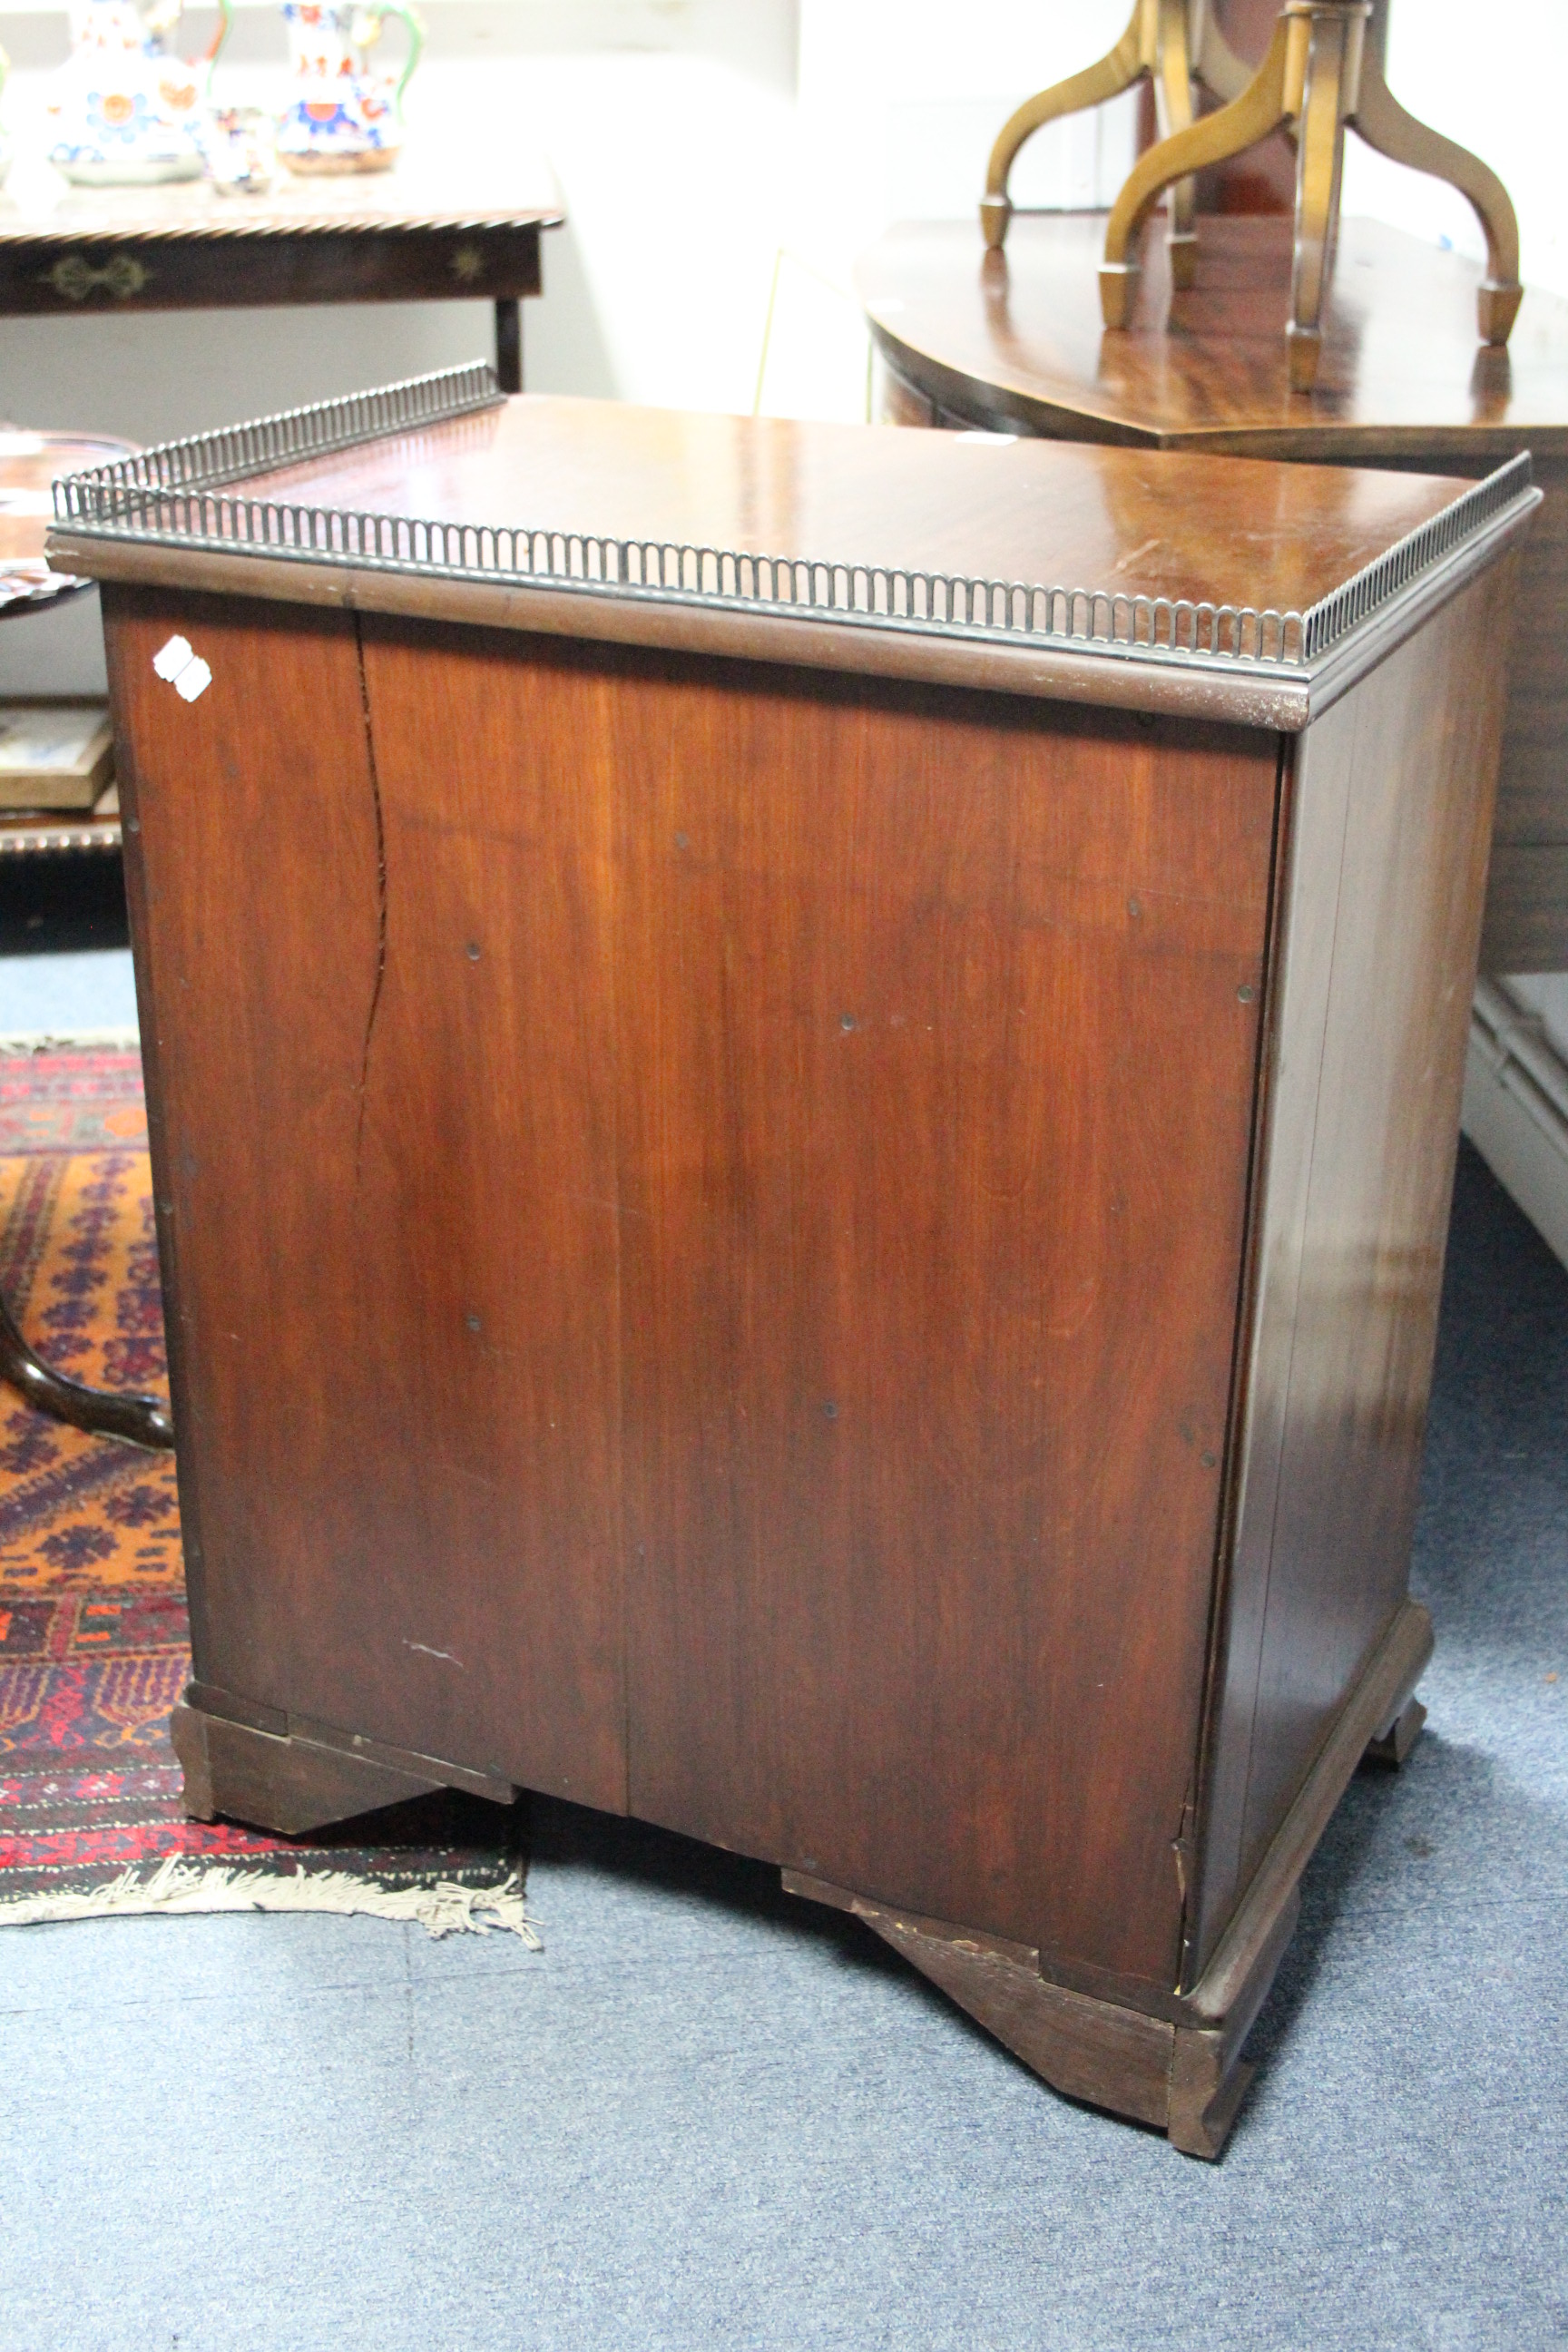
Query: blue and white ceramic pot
{"points": [[124, 111], [344, 117]]}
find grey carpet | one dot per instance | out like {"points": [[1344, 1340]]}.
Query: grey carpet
{"points": [[709, 2116]]}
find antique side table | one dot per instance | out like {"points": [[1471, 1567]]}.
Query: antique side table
{"points": [[1013, 341], [811, 1203], [413, 235]]}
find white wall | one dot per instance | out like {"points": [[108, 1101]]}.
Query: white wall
{"points": [[1491, 78], [693, 140]]}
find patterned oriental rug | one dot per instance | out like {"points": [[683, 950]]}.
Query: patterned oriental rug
{"points": [[93, 1644]]}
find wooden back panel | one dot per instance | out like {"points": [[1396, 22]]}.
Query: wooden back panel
{"points": [[387, 1170], [705, 1228]]}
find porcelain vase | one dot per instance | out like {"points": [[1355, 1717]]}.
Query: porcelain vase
{"points": [[344, 117], [123, 110]]}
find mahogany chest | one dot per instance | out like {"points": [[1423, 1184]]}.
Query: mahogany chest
{"points": [[804, 1086]]}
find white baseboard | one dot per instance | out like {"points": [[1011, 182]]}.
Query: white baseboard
{"points": [[1516, 1108]]}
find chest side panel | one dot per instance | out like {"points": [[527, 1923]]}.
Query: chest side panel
{"points": [[1390, 822]]}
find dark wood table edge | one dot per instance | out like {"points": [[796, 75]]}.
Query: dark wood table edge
{"points": [[1003, 405], [272, 236]]}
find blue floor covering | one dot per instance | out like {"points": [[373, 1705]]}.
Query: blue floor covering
{"points": [[67, 995], [707, 2115]]}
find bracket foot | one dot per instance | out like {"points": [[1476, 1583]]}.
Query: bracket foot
{"points": [[293, 1778], [1394, 1743]]}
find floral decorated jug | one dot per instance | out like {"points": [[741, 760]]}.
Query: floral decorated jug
{"points": [[122, 109], [344, 118]]}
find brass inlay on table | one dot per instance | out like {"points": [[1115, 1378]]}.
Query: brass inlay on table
{"points": [[75, 278]]}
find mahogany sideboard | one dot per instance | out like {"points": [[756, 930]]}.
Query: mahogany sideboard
{"points": [[804, 1086], [1014, 341]]}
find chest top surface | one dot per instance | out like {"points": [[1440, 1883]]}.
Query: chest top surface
{"points": [[1240, 571]]}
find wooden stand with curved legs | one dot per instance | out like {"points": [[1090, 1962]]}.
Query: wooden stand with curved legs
{"points": [[1171, 43], [136, 1419], [1324, 73]]}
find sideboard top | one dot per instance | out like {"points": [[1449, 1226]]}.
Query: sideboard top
{"points": [[1017, 334], [40, 209], [1224, 585]]}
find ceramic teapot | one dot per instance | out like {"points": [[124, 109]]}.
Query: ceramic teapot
{"points": [[344, 118], [122, 109]]}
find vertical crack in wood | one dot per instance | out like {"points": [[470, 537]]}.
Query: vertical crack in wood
{"points": [[380, 896]]}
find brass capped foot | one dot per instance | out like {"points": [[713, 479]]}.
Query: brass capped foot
{"points": [[1496, 308], [995, 213], [1184, 251], [1304, 345], [1118, 287]]}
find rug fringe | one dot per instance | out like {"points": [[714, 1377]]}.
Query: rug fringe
{"points": [[26, 1043], [176, 1885]]}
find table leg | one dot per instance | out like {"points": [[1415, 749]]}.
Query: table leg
{"points": [[1333, 71], [509, 344], [139, 1421], [1261, 107], [1173, 113], [1125, 64], [1384, 124]]}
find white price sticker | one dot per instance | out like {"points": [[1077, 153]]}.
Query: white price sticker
{"points": [[184, 670]]}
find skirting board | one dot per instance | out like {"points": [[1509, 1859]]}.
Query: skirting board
{"points": [[1516, 1108]]}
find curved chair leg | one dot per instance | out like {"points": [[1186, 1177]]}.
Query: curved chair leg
{"points": [[137, 1419], [1113, 74], [1383, 122], [1260, 108], [1173, 113], [1333, 64]]}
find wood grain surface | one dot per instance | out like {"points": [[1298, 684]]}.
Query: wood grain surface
{"points": [[1278, 537], [1016, 338], [1387, 822], [929, 1410], [553, 1289], [385, 1259], [844, 1266]]}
